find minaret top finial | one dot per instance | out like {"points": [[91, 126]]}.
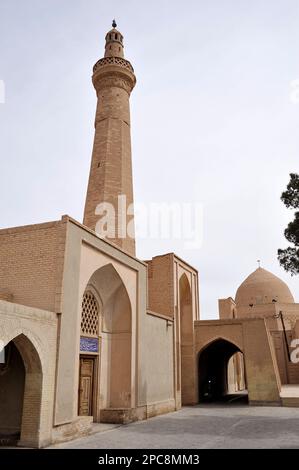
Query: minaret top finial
{"points": [[259, 263], [114, 24]]}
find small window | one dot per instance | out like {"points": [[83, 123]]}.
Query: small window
{"points": [[110, 37], [116, 36], [119, 49]]}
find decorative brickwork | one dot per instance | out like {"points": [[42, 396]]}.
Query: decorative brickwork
{"points": [[113, 61], [90, 315]]}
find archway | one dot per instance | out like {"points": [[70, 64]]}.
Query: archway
{"points": [[20, 393], [186, 339], [213, 368], [112, 358]]}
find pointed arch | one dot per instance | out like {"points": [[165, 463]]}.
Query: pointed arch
{"points": [[114, 297], [41, 348], [21, 391], [220, 338], [213, 360], [114, 382]]}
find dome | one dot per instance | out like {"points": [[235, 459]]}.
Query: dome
{"points": [[262, 287]]}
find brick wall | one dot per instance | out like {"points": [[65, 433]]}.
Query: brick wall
{"points": [[161, 284], [31, 264]]}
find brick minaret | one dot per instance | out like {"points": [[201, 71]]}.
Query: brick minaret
{"points": [[111, 166]]}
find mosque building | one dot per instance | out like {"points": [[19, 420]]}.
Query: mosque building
{"points": [[94, 334]]}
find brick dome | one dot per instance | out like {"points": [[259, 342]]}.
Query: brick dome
{"points": [[262, 287]]}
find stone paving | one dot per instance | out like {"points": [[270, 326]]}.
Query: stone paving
{"points": [[210, 426]]}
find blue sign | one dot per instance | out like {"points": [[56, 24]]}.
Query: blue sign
{"points": [[89, 344]]}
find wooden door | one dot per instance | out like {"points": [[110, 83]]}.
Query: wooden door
{"points": [[86, 386]]}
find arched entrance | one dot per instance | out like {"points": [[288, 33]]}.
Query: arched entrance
{"points": [[105, 368], [20, 393], [213, 372]]}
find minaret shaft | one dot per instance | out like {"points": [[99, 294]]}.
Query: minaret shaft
{"points": [[111, 165]]}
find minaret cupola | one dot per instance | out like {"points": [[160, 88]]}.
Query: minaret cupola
{"points": [[114, 43]]}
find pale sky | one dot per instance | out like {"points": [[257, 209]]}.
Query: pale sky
{"points": [[212, 120]]}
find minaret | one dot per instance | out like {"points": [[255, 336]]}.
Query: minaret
{"points": [[111, 165]]}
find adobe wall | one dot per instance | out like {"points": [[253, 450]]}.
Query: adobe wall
{"points": [[158, 361], [252, 337], [268, 310], [263, 381], [226, 308]]}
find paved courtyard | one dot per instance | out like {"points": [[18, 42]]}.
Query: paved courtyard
{"points": [[210, 426]]}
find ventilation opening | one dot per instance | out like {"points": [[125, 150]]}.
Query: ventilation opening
{"points": [[90, 315]]}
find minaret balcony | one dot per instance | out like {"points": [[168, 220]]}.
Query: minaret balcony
{"points": [[113, 61]]}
